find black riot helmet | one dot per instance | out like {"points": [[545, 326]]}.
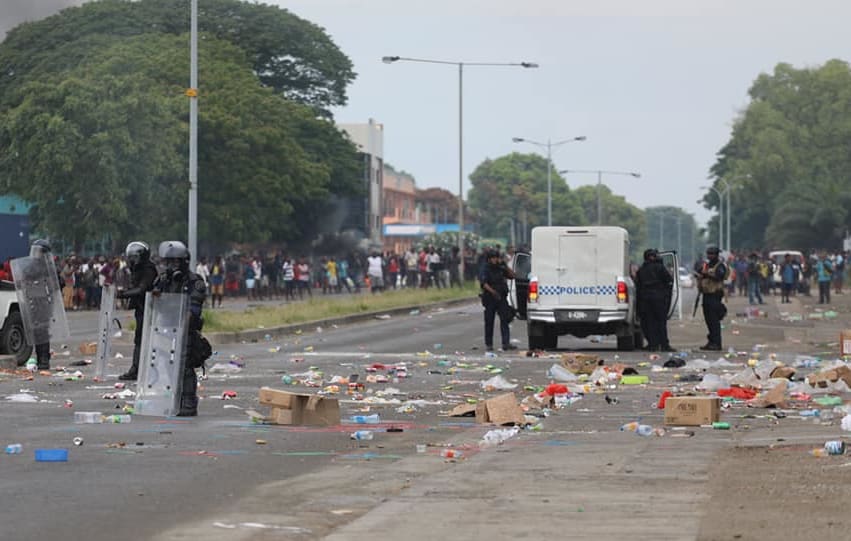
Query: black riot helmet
{"points": [[137, 252], [39, 248], [650, 254], [174, 256]]}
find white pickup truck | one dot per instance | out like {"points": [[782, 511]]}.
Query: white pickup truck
{"points": [[12, 338], [580, 285]]}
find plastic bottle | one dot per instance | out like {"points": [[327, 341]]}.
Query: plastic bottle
{"points": [[630, 427], [721, 425], [117, 419], [451, 453], [14, 449], [362, 435], [644, 430], [836, 447], [32, 365], [819, 452], [810, 413], [366, 419]]}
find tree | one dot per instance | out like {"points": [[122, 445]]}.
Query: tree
{"points": [[288, 54], [513, 189], [792, 141], [99, 144]]}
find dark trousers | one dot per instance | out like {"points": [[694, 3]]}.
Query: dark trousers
{"points": [[42, 355], [654, 320], [713, 312], [785, 290], [824, 292], [139, 316], [492, 308]]}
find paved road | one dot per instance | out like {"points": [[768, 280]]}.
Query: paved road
{"points": [[209, 477]]}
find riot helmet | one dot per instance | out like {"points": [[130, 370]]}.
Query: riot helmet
{"points": [[174, 256], [650, 254], [39, 248], [137, 252], [712, 253]]}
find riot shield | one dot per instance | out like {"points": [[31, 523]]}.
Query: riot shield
{"points": [[106, 328], [40, 299], [162, 354]]}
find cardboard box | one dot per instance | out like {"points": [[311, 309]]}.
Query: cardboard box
{"points": [[845, 342], [300, 409], [500, 410], [692, 410], [580, 363], [89, 348]]}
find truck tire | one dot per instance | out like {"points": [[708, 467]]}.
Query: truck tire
{"points": [[13, 340], [626, 343], [547, 340]]}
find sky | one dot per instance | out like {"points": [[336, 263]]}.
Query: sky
{"points": [[654, 85]]}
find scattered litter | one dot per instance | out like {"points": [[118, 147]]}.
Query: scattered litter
{"points": [[383, 316], [497, 383], [498, 436], [21, 397]]}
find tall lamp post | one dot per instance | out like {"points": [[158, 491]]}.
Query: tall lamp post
{"points": [[549, 146], [460, 65], [600, 184], [192, 94], [728, 188]]}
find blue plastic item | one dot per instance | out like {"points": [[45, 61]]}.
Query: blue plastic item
{"points": [[51, 455]]}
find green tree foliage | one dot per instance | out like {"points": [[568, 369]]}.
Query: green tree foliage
{"points": [[514, 187], [792, 140], [97, 135]]}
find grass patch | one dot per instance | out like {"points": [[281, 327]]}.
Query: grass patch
{"points": [[323, 307]]}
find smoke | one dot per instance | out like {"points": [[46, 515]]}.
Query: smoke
{"points": [[15, 12]]}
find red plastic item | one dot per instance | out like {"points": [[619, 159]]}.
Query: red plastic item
{"points": [[556, 388], [663, 398], [227, 395], [737, 392]]}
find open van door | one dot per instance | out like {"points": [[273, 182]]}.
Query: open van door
{"points": [[672, 262], [518, 289]]}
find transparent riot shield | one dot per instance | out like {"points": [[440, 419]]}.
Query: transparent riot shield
{"points": [[162, 354], [106, 329], [40, 299]]}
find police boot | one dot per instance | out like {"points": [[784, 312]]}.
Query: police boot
{"points": [[189, 394], [133, 373], [42, 356]]}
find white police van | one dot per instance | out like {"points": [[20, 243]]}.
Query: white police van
{"points": [[580, 285]]}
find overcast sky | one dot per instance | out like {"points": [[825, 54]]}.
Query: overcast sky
{"points": [[653, 84]]}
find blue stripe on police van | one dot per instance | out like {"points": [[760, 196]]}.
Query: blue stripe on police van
{"points": [[577, 290]]}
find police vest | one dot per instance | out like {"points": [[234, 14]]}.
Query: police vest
{"points": [[710, 286]]}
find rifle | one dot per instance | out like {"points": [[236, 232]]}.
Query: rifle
{"points": [[696, 304]]}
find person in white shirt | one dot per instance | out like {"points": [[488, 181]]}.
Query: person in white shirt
{"points": [[375, 271], [411, 266], [289, 279], [434, 266], [202, 270]]}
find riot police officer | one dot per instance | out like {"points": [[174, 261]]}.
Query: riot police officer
{"points": [[142, 275], [711, 278], [177, 278], [493, 280], [653, 284], [40, 249]]}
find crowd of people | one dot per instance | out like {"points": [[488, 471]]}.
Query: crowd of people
{"points": [[756, 275]]}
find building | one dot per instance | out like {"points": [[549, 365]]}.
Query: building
{"points": [[365, 214], [14, 227]]}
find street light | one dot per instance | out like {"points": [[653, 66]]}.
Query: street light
{"points": [[391, 60], [600, 183], [192, 93], [720, 213], [728, 189], [549, 146]]}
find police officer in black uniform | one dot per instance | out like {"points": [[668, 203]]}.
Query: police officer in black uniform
{"points": [[41, 319], [711, 276], [653, 284], [493, 279], [177, 278], [143, 272]]}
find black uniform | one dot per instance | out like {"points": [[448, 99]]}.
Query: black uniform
{"points": [[194, 286], [142, 279], [495, 275], [712, 289], [653, 283]]}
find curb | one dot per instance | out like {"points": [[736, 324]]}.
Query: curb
{"points": [[256, 335]]}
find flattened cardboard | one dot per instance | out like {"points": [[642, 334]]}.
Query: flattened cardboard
{"points": [[785, 372], [775, 398], [300, 409], [89, 348], [500, 410], [845, 342], [580, 363], [463, 410], [692, 410], [823, 379]]}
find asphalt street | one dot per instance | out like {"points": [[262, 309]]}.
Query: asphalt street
{"points": [[220, 476]]}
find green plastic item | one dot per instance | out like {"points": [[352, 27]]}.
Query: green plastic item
{"points": [[828, 401], [721, 426], [634, 380]]}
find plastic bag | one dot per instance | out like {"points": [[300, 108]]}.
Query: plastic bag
{"points": [[560, 373]]}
